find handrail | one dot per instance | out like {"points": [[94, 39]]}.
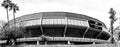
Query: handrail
{"points": [[73, 39], [63, 39]]}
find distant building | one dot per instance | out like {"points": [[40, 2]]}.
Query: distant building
{"points": [[62, 28]]}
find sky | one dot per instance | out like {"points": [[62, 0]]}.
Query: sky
{"points": [[94, 8]]}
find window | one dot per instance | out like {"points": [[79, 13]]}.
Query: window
{"points": [[53, 21], [99, 24], [77, 22], [33, 22], [95, 25], [92, 23]]}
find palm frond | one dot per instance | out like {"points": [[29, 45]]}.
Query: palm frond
{"points": [[11, 6], [6, 3], [14, 7]]}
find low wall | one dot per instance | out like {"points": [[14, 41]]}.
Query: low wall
{"points": [[92, 45]]}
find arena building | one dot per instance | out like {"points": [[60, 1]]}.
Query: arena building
{"points": [[62, 28]]}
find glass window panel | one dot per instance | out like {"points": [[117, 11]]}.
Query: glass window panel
{"points": [[33, 22], [51, 21], [77, 22], [59, 21], [75, 32], [54, 21], [72, 22], [63, 21], [69, 21], [46, 21], [82, 23], [53, 31], [43, 21]]}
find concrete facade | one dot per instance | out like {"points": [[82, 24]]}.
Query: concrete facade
{"points": [[62, 29]]}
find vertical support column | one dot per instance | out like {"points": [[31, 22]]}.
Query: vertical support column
{"points": [[99, 34], [41, 19], [86, 30], [65, 26], [93, 42], [68, 42], [37, 42]]}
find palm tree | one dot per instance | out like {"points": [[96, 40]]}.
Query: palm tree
{"points": [[15, 8], [6, 4], [113, 19]]}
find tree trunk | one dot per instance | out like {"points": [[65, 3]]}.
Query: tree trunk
{"points": [[7, 16], [14, 18], [112, 39]]}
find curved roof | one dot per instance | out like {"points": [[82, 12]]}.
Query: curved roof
{"points": [[54, 15]]}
